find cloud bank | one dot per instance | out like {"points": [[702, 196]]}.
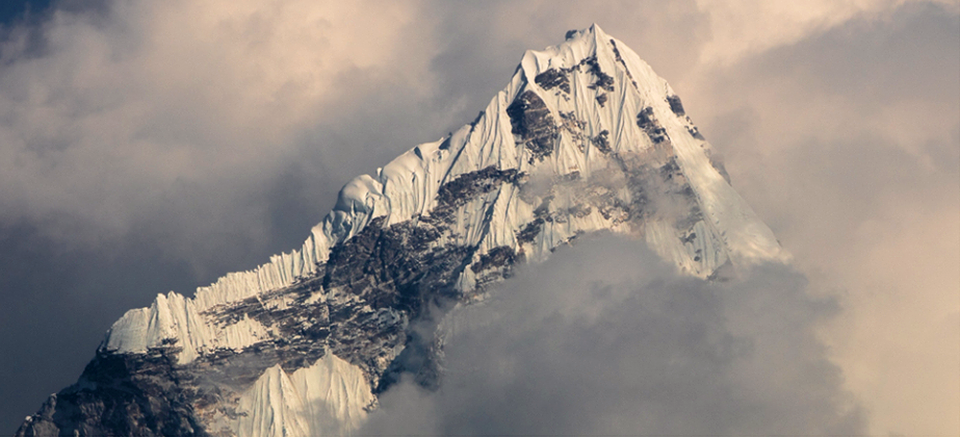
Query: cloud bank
{"points": [[606, 339]]}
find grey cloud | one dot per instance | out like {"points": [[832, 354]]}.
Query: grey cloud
{"points": [[847, 143], [605, 339], [122, 179], [58, 302], [134, 174]]}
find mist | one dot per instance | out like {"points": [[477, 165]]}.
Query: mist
{"points": [[606, 339]]}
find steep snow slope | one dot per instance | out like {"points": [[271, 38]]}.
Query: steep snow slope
{"points": [[327, 398], [585, 137]]}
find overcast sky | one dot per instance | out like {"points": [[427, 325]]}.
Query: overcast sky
{"points": [[152, 146]]}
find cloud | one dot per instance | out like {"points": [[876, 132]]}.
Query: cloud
{"points": [[146, 147], [847, 144], [172, 115], [741, 28], [117, 116], [151, 146], [606, 339]]}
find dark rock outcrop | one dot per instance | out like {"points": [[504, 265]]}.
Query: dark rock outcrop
{"points": [[532, 122]]}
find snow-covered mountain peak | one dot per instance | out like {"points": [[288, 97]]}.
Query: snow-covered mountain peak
{"points": [[584, 138]]}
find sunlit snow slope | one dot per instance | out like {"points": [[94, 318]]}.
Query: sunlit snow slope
{"points": [[586, 137]]}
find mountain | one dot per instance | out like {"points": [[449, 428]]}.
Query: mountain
{"points": [[585, 138]]}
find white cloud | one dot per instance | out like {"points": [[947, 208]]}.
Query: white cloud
{"points": [[606, 339]]}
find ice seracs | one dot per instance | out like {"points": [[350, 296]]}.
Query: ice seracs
{"points": [[585, 137]]}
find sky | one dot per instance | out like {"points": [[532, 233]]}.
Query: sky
{"points": [[155, 146]]}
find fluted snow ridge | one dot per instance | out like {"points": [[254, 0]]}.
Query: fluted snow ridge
{"points": [[602, 106]]}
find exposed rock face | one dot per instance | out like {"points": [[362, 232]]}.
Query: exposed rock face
{"points": [[532, 122], [553, 78], [648, 122], [585, 138]]}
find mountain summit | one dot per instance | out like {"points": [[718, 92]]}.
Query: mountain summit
{"points": [[584, 138]]}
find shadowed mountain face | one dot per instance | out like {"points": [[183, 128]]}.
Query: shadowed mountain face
{"points": [[585, 138]]}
